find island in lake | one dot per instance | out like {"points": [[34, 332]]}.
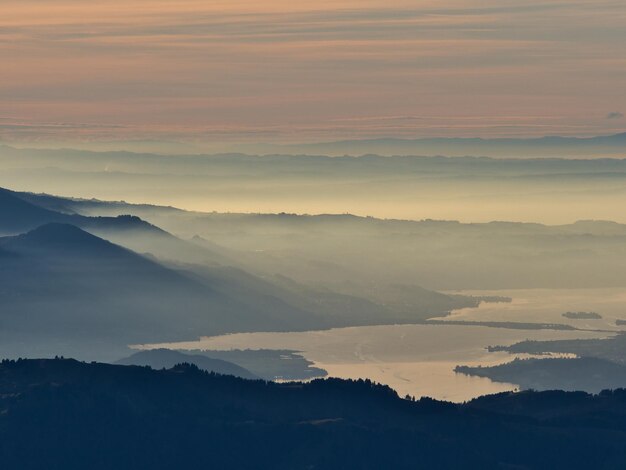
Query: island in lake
{"points": [[582, 315]]}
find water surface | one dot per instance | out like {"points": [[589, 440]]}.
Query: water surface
{"points": [[418, 360]]}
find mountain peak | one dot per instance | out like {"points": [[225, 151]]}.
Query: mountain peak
{"points": [[17, 214], [61, 239], [60, 232]]}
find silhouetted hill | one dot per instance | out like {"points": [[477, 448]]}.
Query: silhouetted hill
{"points": [[56, 245], [69, 415], [61, 240], [167, 358]]}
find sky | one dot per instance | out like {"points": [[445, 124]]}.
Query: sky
{"points": [[217, 72]]}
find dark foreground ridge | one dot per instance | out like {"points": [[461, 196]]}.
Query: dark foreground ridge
{"points": [[64, 414]]}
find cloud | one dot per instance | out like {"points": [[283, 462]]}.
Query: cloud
{"points": [[615, 115], [350, 67]]}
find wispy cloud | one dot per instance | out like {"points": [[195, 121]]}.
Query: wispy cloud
{"points": [[293, 65]]}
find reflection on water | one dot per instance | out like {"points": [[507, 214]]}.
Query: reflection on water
{"points": [[413, 359]]}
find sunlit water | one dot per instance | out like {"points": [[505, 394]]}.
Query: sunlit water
{"points": [[548, 306], [418, 360]]}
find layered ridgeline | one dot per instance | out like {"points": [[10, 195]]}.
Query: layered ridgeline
{"points": [[384, 259], [21, 212], [66, 290], [549, 146], [67, 414], [549, 190]]}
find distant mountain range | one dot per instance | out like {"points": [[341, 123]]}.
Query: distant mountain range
{"points": [[439, 254], [548, 146], [473, 188]]}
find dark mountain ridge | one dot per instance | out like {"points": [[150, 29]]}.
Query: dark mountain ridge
{"points": [[70, 415]]}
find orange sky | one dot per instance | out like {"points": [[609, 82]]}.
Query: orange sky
{"points": [[296, 71]]}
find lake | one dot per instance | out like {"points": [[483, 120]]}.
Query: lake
{"points": [[548, 306], [419, 360]]}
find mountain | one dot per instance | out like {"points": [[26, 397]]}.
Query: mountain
{"points": [[71, 415], [65, 290], [167, 358], [20, 212], [330, 308], [386, 261], [275, 249], [17, 215], [56, 245], [62, 284], [63, 287], [112, 296], [398, 184], [239, 272], [138, 235]]}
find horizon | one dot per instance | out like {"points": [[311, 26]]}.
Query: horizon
{"points": [[321, 214]]}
